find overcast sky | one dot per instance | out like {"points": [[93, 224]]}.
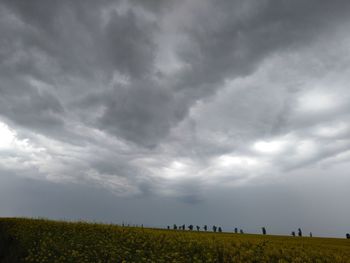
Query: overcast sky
{"points": [[235, 113]]}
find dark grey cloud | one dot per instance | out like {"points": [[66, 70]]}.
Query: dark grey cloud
{"points": [[176, 99], [143, 112], [76, 41], [131, 44], [29, 106], [233, 43], [223, 48]]}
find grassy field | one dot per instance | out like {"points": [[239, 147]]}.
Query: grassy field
{"points": [[26, 240]]}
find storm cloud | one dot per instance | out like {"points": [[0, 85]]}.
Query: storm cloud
{"points": [[177, 100]]}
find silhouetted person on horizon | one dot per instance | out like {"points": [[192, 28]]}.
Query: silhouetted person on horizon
{"points": [[183, 227], [175, 227], [310, 234], [348, 236], [236, 230], [205, 227], [168, 227], [198, 228], [214, 228], [300, 234], [220, 230], [263, 230], [293, 233], [241, 231]]}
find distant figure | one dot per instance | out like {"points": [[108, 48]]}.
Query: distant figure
{"points": [[190, 227], [300, 234], [183, 227], [205, 227], [310, 234], [236, 230], [293, 233], [214, 228], [198, 228], [168, 227], [175, 227], [241, 231], [263, 230], [220, 230], [348, 236]]}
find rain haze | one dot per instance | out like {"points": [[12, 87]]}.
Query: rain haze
{"points": [[234, 113]]}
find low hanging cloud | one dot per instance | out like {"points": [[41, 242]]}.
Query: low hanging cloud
{"points": [[152, 97]]}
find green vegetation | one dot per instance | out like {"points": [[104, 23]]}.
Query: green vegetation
{"points": [[26, 240]]}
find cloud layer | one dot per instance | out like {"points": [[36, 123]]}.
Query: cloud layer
{"points": [[176, 98]]}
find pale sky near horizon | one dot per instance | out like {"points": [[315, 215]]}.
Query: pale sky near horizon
{"points": [[234, 113]]}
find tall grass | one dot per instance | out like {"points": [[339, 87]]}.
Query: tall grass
{"points": [[26, 240]]}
